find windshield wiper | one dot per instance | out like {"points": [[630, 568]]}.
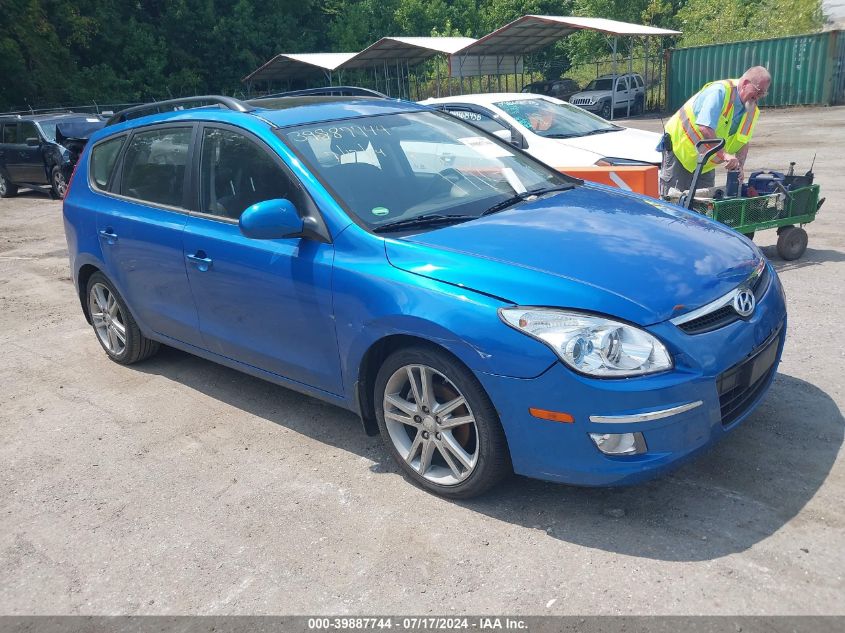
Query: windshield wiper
{"points": [[559, 135], [603, 130], [509, 202], [427, 219]]}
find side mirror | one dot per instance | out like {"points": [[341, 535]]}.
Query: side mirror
{"points": [[32, 141], [271, 220]]}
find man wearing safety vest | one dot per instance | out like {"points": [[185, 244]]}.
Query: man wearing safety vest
{"points": [[725, 109]]}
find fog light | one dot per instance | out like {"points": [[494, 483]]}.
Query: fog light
{"points": [[619, 443]]}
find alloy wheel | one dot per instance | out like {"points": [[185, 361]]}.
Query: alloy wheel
{"points": [[59, 183], [107, 318], [431, 424]]}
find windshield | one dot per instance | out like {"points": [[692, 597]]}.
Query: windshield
{"points": [[556, 120], [383, 169], [600, 84]]}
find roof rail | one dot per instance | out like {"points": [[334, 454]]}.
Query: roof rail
{"points": [[171, 105]]}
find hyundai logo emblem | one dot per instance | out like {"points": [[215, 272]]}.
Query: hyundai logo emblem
{"points": [[744, 302]]}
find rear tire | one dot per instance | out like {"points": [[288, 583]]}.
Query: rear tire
{"points": [[638, 107], [792, 242], [439, 424], [7, 189], [114, 326]]}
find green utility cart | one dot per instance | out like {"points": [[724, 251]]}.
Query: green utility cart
{"points": [[788, 210], [785, 211]]}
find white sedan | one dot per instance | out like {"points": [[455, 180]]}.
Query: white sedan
{"points": [[553, 131]]}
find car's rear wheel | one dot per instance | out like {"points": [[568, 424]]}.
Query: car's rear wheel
{"points": [[7, 189], [113, 324], [638, 107], [439, 424], [58, 182]]}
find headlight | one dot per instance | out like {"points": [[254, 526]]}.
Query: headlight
{"points": [[590, 344]]}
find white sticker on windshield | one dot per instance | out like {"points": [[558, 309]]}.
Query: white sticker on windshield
{"points": [[513, 180], [485, 147], [93, 120]]}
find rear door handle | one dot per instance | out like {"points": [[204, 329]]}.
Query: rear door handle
{"points": [[200, 260], [109, 235]]}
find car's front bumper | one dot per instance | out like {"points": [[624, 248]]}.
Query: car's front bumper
{"points": [[565, 452]]}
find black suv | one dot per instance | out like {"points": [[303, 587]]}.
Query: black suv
{"points": [[40, 150], [558, 88]]}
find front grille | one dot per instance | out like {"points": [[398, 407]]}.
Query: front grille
{"points": [[726, 314], [740, 385], [581, 101]]}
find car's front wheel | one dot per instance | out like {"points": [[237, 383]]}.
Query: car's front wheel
{"points": [[7, 189], [439, 424], [606, 109], [58, 183], [116, 330]]}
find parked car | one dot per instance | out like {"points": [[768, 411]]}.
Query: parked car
{"points": [[598, 95], [483, 312], [40, 151], [557, 133], [561, 89]]}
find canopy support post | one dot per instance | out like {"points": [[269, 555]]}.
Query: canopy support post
{"points": [[614, 84], [630, 68], [499, 71]]}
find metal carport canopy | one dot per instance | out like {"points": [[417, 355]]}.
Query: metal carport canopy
{"points": [[299, 66], [532, 33], [409, 50]]}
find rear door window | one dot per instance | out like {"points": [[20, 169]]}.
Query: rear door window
{"points": [[154, 166], [103, 158]]}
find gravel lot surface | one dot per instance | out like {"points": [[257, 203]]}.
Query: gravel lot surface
{"points": [[179, 486]]}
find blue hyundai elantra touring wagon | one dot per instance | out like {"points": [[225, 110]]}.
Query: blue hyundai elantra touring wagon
{"points": [[483, 312]]}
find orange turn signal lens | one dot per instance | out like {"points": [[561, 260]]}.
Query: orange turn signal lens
{"points": [[554, 416]]}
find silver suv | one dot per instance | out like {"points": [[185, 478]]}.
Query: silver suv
{"points": [[598, 96]]}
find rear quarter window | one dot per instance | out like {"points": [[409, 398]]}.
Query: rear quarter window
{"points": [[103, 158], [10, 133]]}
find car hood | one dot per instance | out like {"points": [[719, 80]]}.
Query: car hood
{"points": [[595, 95], [78, 130], [590, 248], [626, 143]]}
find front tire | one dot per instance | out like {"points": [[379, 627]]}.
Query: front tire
{"points": [[439, 424], [7, 189], [116, 330], [58, 183], [605, 110]]}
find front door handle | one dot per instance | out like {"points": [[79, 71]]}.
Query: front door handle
{"points": [[109, 235], [200, 260]]}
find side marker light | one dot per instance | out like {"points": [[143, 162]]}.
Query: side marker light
{"points": [[554, 416]]}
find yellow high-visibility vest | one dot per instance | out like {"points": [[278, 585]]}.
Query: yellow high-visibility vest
{"points": [[684, 131]]}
